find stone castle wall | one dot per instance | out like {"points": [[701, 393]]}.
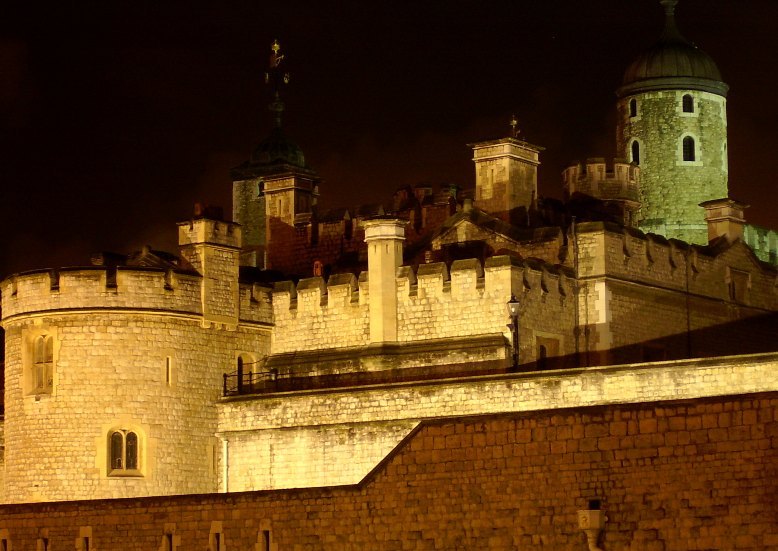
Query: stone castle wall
{"points": [[432, 304], [595, 179], [318, 429], [670, 475], [646, 297], [132, 352]]}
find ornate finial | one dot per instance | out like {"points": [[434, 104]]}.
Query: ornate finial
{"points": [[671, 30], [514, 124], [669, 6], [275, 77]]}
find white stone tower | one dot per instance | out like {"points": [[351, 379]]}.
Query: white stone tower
{"points": [[672, 122]]}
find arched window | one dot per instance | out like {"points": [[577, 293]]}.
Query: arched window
{"points": [[633, 108], [124, 453], [636, 152], [43, 364], [688, 103], [688, 149]]}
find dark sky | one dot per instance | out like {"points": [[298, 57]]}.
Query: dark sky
{"points": [[116, 116]]}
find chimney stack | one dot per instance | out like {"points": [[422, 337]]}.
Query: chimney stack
{"points": [[725, 217]]}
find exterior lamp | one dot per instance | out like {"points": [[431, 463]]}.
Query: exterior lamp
{"points": [[513, 312]]}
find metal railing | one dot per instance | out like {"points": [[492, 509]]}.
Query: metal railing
{"points": [[249, 382]]}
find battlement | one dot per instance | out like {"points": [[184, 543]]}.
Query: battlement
{"points": [[596, 178], [433, 302], [119, 288], [629, 255]]}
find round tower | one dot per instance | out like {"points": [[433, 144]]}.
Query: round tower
{"points": [[672, 122], [112, 371]]}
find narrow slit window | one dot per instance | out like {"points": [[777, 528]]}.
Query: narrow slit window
{"points": [[688, 103], [688, 149], [636, 152], [633, 108]]}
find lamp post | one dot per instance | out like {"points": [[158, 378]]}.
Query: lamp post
{"points": [[513, 312]]}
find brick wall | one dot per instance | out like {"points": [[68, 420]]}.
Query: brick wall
{"points": [[670, 475]]}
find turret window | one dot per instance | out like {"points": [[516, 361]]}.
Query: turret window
{"points": [[633, 108], [689, 154], [43, 364], [635, 150], [688, 103], [124, 453]]}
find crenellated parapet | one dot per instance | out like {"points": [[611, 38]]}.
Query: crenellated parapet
{"points": [[596, 178], [102, 288], [433, 302], [121, 289], [606, 250]]}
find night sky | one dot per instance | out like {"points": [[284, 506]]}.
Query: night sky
{"points": [[116, 116]]}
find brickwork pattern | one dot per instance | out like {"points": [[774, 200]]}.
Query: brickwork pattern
{"points": [[316, 416], [676, 475]]}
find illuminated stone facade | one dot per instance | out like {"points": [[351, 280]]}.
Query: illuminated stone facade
{"points": [[640, 358]]}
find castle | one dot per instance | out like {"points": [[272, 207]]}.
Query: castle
{"points": [[292, 376]]}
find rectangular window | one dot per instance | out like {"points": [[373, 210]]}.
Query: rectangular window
{"points": [[738, 286], [168, 370]]}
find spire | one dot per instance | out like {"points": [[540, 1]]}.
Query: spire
{"points": [[671, 32], [276, 78]]}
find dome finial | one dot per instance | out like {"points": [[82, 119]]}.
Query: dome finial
{"points": [[671, 29], [276, 78]]}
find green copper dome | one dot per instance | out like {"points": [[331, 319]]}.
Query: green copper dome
{"points": [[278, 149], [672, 63]]}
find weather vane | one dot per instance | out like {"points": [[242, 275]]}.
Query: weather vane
{"points": [[273, 73], [514, 124], [275, 77]]}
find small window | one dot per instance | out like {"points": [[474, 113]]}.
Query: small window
{"points": [[688, 104], [688, 149], [636, 152], [738, 286], [168, 370], [43, 364], [43, 544], [124, 452], [547, 352], [633, 108]]}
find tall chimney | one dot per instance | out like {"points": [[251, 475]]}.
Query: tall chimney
{"points": [[384, 238]]}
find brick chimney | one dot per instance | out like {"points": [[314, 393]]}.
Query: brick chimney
{"points": [[725, 217]]}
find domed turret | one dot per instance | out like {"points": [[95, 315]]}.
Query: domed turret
{"points": [[673, 124], [277, 150], [275, 182]]}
